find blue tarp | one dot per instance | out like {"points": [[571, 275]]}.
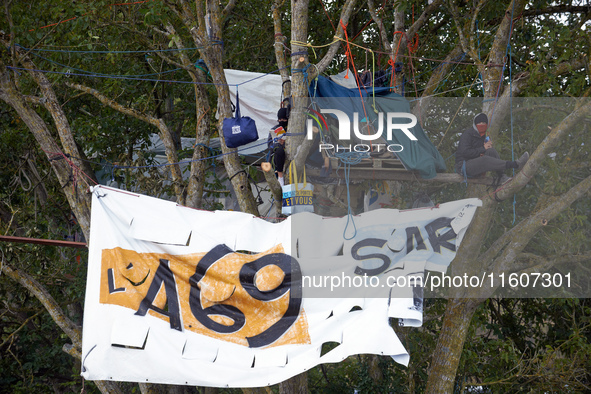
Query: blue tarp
{"points": [[421, 155]]}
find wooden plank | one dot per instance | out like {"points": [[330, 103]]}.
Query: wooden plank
{"points": [[372, 163]]}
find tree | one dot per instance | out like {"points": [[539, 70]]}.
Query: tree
{"points": [[503, 252], [519, 48]]}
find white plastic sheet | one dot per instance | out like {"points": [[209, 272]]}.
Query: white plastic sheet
{"points": [[260, 98]]}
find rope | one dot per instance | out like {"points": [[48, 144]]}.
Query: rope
{"points": [[215, 42], [390, 62], [304, 71], [76, 170], [302, 53], [443, 81], [106, 75], [511, 107], [350, 55], [236, 173], [335, 39], [59, 156], [347, 159], [142, 79]]}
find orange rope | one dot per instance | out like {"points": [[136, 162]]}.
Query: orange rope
{"points": [[354, 68]]}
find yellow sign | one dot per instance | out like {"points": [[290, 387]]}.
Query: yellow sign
{"points": [[252, 300]]}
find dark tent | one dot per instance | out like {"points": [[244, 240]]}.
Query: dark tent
{"points": [[420, 155]]}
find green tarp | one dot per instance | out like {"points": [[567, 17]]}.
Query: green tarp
{"points": [[420, 155]]}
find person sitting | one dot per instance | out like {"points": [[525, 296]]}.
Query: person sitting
{"points": [[475, 154], [276, 143]]}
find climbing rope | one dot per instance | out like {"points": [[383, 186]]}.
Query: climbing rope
{"points": [[347, 159]]}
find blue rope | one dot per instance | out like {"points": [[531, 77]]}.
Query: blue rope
{"points": [[101, 74], [509, 49], [141, 79], [304, 71], [261, 76], [304, 52], [464, 173], [211, 152]]}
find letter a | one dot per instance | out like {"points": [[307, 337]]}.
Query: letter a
{"points": [[163, 275]]}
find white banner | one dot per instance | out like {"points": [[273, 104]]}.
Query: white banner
{"points": [[182, 296]]}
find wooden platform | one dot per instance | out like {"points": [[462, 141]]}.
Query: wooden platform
{"points": [[378, 164], [391, 169]]}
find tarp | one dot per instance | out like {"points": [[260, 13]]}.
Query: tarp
{"points": [[181, 296], [260, 98], [421, 155], [345, 78]]}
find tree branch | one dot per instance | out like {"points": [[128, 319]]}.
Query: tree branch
{"points": [[498, 48], [165, 133], [559, 9], [23, 324], [438, 75], [346, 12], [273, 185], [421, 20], [531, 262], [196, 182], [518, 237], [147, 43], [380, 23], [535, 160], [55, 311], [279, 46], [229, 7], [466, 47], [479, 6]]}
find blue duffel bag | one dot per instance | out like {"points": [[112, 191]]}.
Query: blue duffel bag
{"points": [[239, 130]]}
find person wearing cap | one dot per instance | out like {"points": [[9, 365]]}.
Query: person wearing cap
{"points": [[276, 143], [475, 154]]}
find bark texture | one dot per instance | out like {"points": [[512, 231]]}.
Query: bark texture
{"points": [[208, 36]]}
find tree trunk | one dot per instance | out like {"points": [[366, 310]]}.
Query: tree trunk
{"points": [[257, 390], [280, 47], [73, 331], [199, 164], [446, 358], [68, 176], [212, 54], [296, 385], [299, 65], [273, 185], [194, 191], [374, 369]]}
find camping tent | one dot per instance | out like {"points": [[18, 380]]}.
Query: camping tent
{"points": [[420, 155]]}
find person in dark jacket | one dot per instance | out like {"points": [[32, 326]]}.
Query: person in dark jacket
{"points": [[276, 143], [476, 153]]}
